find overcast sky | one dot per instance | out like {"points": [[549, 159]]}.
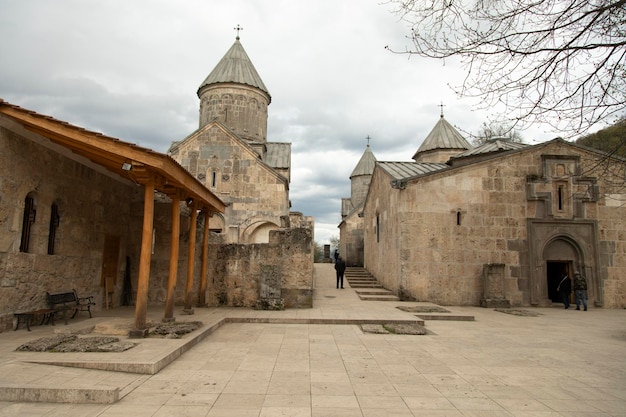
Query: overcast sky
{"points": [[131, 69]]}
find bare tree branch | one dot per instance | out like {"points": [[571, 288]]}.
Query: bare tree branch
{"points": [[561, 62]]}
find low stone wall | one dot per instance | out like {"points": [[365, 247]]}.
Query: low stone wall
{"points": [[235, 269]]}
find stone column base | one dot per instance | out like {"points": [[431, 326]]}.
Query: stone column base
{"points": [[495, 303], [138, 333]]}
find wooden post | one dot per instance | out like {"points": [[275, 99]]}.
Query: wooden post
{"points": [[174, 249], [205, 257], [141, 305], [191, 258]]}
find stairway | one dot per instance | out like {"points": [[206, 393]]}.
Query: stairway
{"points": [[366, 286]]}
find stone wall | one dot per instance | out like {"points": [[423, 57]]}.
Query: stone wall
{"points": [[243, 109], [435, 237], [235, 269], [351, 240], [233, 172], [91, 204]]}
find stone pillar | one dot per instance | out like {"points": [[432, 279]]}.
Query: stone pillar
{"points": [[326, 254], [494, 291], [270, 289]]}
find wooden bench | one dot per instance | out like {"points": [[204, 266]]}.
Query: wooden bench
{"points": [[26, 317], [69, 300]]}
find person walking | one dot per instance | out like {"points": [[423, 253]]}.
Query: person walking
{"points": [[580, 289], [565, 289], [340, 267]]}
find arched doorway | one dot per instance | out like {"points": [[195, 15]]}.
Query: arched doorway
{"points": [[562, 256], [555, 245], [258, 232]]}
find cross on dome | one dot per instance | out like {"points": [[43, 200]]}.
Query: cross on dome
{"points": [[238, 28], [442, 106]]}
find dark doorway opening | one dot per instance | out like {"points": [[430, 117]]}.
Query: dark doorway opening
{"points": [[555, 270]]}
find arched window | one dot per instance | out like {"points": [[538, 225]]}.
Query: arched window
{"points": [[27, 222], [54, 225], [377, 227]]}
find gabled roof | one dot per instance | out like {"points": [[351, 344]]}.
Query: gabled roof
{"points": [[235, 67], [443, 136], [277, 149], [366, 164], [278, 154], [490, 146], [141, 165], [400, 170]]}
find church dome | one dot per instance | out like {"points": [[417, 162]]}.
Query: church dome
{"points": [[366, 164], [234, 94], [235, 67], [443, 136]]}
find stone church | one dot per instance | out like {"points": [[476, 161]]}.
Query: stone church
{"points": [[494, 225], [231, 155], [351, 226], [207, 224]]}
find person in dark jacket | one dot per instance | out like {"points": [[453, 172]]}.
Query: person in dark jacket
{"points": [[565, 289], [580, 289], [340, 267]]}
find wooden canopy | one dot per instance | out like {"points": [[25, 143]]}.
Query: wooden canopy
{"points": [[140, 165]]}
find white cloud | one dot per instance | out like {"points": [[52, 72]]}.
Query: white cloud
{"points": [[132, 69]]}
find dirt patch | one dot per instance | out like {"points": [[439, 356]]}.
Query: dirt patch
{"points": [[405, 328], [423, 309], [394, 328], [518, 312], [73, 343], [176, 329], [118, 327]]}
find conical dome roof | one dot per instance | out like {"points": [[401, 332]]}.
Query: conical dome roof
{"points": [[235, 67], [366, 164], [443, 136]]}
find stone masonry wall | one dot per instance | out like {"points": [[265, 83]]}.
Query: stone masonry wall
{"points": [[235, 269], [351, 238], [243, 109], [449, 225], [246, 185], [91, 205]]}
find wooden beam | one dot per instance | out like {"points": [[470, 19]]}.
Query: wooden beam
{"points": [[205, 257], [141, 304], [191, 255], [174, 248]]}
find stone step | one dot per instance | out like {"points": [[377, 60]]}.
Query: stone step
{"points": [[377, 295], [360, 278], [367, 297], [450, 317], [362, 281], [372, 285], [380, 291], [65, 394]]}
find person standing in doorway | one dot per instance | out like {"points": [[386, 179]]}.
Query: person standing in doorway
{"points": [[340, 267], [565, 289], [580, 289]]}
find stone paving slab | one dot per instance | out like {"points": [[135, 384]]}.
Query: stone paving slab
{"points": [[559, 363]]}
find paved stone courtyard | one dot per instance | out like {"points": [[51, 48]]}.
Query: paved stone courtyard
{"points": [[318, 363]]}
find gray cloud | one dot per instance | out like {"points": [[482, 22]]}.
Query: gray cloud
{"points": [[131, 70]]}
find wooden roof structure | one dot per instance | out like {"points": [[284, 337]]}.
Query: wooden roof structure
{"points": [[140, 165]]}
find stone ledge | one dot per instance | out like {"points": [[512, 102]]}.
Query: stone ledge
{"points": [[60, 395], [449, 317]]}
